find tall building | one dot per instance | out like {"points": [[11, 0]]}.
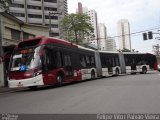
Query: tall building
{"points": [[111, 44], [124, 34], [80, 9], [92, 38], [102, 36], [37, 12]]}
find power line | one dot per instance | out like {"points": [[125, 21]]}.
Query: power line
{"points": [[134, 33], [138, 32]]}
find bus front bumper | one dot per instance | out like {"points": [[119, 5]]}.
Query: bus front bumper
{"points": [[35, 81]]}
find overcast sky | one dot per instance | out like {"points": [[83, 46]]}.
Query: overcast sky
{"points": [[142, 15]]}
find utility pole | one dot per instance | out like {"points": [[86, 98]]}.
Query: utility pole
{"points": [[50, 14], [156, 48], [2, 83], [1, 38]]}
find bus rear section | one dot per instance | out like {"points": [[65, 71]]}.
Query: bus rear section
{"points": [[139, 62], [49, 61], [110, 62]]}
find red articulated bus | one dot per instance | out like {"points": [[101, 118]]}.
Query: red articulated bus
{"points": [[49, 61]]}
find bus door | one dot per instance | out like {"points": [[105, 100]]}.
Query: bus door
{"points": [[49, 66], [68, 67], [133, 65]]}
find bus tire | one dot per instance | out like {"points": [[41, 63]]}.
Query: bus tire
{"points": [[144, 70], [59, 79], [93, 75], [117, 72]]}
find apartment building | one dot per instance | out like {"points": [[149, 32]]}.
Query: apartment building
{"points": [[93, 37], [111, 44], [124, 34], [37, 12], [102, 36]]}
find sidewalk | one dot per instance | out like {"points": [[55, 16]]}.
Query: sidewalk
{"points": [[7, 89]]}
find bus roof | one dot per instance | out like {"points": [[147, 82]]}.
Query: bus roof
{"points": [[135, 53], [81, 47], [44, 40], [108, 51]]}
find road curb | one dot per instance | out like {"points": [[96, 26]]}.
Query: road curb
{"points": [[6, 89]]}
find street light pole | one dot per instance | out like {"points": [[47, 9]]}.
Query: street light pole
{"points": [[1, 38], [52, 13]]}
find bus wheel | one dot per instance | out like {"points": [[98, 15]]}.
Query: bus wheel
{"points": [[144, 70], [59, 79], [93, 75], [117, 72]]}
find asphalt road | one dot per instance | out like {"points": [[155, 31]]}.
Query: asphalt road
{"points": [[124, 94]]}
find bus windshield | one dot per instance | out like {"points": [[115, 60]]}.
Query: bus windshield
{"points": [[25, 59]]}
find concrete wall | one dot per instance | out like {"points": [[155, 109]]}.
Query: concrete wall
{"points": [[35, 30], [1, 73]]}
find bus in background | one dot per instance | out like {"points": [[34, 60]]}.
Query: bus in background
{"points": [[139, 62], [49, 61]]}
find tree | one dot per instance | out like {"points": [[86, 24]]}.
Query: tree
{"points": [[126, 50], [4, 5], [75, 27]]}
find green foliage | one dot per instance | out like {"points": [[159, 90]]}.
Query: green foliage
{"points": [[126, 50], [75, 27]]}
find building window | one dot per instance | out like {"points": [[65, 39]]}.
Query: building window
{"points": [[17, 5], [18, 14], [54, 34], [53, 25], [53, 1], [34, 7], [52, 17], [27, 35], [36, 0], [50, 9], [34, 16], [35, 23], [15, 34]]}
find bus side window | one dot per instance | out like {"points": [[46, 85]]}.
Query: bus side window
{"points": [[87, 61], [67, 60], [49, 59], [126, 61], [59, 59], [113, 62], [92, 61], [117, 61], [82, 61]]}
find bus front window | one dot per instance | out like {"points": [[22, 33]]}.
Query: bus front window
{"points": [[23, 60]]}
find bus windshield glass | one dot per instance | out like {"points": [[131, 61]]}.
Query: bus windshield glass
{"points": [[25, 59]]}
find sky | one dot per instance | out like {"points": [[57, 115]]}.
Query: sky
{"points": [[142, 15]]}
